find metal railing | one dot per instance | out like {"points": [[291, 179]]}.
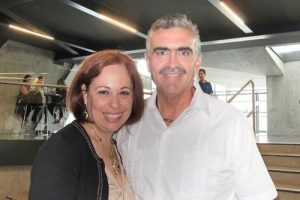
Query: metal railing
{"points": [[252, 112]]}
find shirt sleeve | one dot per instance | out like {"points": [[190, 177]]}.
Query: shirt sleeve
{"points": [[251, 178]]}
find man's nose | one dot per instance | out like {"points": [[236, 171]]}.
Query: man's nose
{"points": [[173, 59]]}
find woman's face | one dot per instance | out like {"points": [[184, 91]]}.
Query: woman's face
{"points": [[27, 80], [109, 98]]}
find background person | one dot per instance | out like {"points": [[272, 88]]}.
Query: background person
{"points": [[205, 85], [188, 145], [58, 101], [25, 89], [37, 101], [21, 103], [81, 160]]}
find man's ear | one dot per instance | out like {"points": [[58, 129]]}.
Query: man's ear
{"points": [[84, 93], [198, 63], [146, 56]]}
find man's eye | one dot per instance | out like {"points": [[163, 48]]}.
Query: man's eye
{"points": [[184, 52], [161, 52]]}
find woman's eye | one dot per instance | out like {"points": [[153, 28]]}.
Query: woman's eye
{"points": [[125, 93], [103, 92]]}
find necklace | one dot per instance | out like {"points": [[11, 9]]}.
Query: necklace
{"points": [[112, 155], [168, 120]]}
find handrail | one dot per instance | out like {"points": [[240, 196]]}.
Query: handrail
{"points": [[33, 84], [253, 101]]}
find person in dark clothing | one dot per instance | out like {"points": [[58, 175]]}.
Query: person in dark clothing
{"points": [[21, 105], [81, 161], [205, 85], [58, 101], [38, 101], [29, 99]]}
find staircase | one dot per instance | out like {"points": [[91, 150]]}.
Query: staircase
{"points": [[283, 163]]}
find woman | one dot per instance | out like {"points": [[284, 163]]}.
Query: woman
{"points": [[21, 104], [25, 89], [81, 160]]}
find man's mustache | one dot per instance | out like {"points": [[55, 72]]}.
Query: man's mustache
{"points": [[172, 70]]}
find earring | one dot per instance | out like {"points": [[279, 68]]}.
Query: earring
{"points": [[85, 114]]}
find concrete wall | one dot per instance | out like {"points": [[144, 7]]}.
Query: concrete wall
{"points": [[284, 101], [15, 182], [21, 58]]}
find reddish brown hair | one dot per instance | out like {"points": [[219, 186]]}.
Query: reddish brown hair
{"points": [[91, 68]]}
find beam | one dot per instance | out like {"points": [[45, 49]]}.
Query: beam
{"points": [[104, 18], [9, 3], [251, 41], [31, 27]]}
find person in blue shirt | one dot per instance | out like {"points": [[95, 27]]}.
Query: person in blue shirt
{"points": [[205, 86]]}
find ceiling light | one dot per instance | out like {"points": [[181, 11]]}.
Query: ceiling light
{"points": [[287, 48], [114, 22], [231, 15], [105, 18], [31, 32]]}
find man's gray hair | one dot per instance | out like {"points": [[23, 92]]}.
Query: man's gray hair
{"points": [[175, 21]]}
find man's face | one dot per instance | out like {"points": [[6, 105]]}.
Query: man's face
{"points": [[201, 76], [171, 60]]}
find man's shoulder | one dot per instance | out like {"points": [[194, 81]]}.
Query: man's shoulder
{"points": [[219, 107]]}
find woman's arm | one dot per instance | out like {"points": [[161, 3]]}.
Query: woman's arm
{"points": [[23, 90]]}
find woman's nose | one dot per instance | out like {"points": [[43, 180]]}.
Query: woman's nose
{"points": [[115, 101]]}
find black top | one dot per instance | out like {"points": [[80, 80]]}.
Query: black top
{"points": [[68, 168]]}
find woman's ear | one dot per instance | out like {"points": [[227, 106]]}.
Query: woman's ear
{"points": [[84, 93]]}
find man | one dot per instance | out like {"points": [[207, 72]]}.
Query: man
{"points": [[189, 145], [205, 85]]}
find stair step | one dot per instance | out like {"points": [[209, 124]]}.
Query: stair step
{"points": [[283, 163], [292, 162], [279, 148], [284, 169], [17, 197], [287, 188], [285, 195], [285, 178], [281, 154]]}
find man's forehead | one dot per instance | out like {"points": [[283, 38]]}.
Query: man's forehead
{"points": [[171, 41], [179, 48]]}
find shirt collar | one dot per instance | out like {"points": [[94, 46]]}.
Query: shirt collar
{"points": [[199, 100]]}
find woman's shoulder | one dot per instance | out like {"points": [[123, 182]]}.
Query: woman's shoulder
{"points": [[69, 137], [71, 132]]}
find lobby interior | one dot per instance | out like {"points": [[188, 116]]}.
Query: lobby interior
{"points": [[269, 55]]}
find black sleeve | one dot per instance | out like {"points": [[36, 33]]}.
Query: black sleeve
{"points": [[56, 170]]}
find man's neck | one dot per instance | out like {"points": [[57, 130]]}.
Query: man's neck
{"points": [[170, 107]]}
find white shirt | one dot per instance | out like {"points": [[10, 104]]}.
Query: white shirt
{"points": [[207, 153]]}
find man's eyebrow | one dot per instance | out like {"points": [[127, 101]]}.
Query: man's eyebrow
{"points": [[161, 49], [184, 49]]}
